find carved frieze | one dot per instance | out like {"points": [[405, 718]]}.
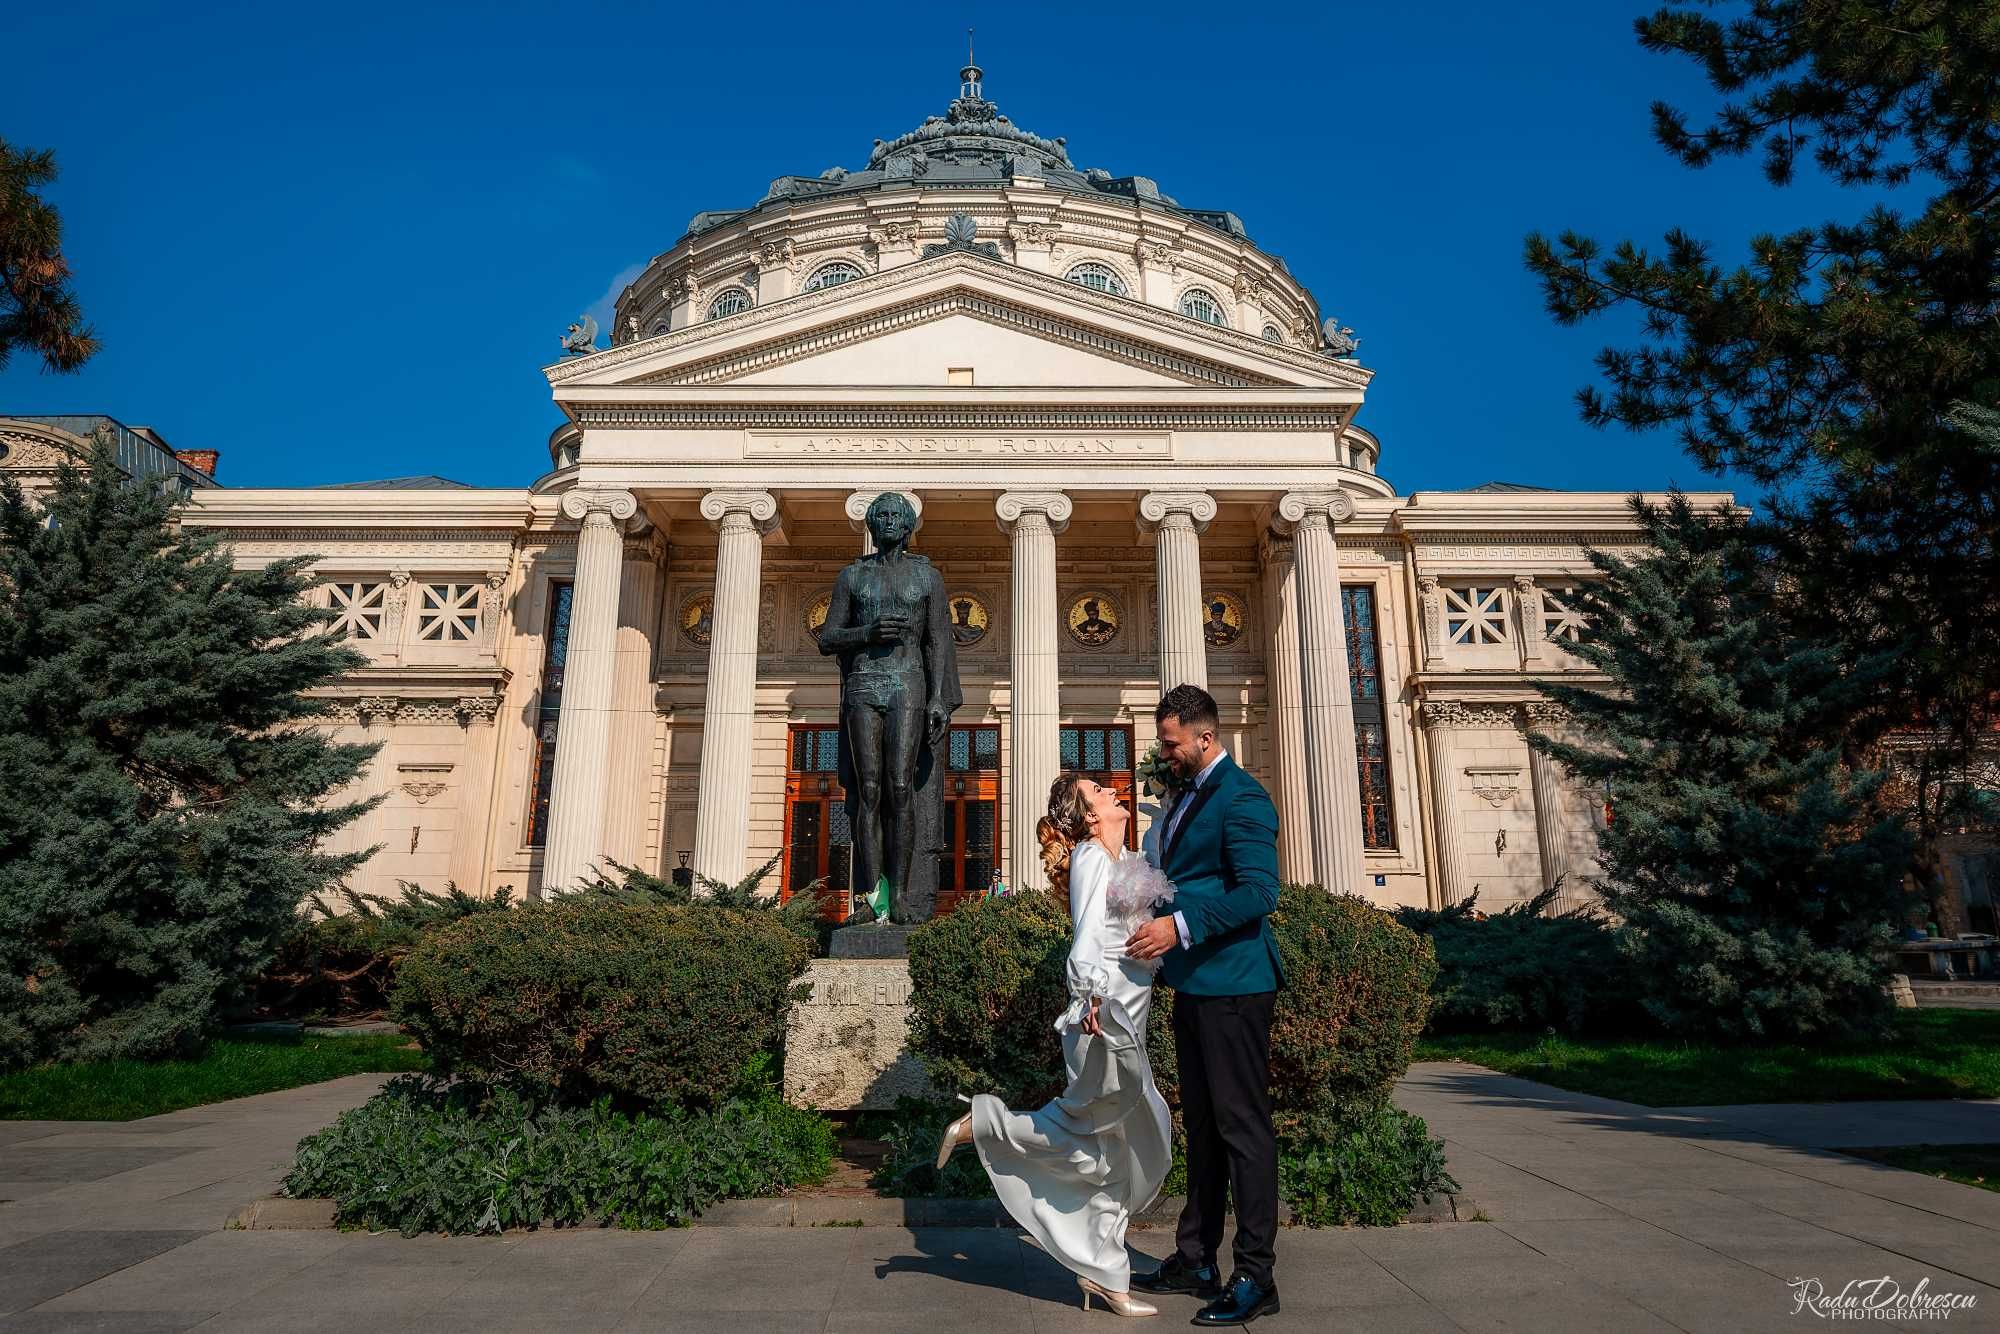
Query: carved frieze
{"points": [[1495, 785], [1455, 714]]}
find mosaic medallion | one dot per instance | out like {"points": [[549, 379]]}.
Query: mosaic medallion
{"points": [[816, 615], [1092, 619], [698, 620], [1221, 619], [969, 618]]}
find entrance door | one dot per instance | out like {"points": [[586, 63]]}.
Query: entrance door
{"points": [[971, 814], [817, 841]]}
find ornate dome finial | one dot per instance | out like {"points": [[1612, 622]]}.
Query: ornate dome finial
{"points": [[968, 78]]}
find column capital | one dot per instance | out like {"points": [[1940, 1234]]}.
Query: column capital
{"points": [[760, 506], [1009, 506], [858, 503], [1158, 507], [1457, 713], [1275, 549], [1547, 713], [584, 501], [1302, 508]]}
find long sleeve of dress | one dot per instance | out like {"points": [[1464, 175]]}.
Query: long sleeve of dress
{"points": [[1088, 972]]}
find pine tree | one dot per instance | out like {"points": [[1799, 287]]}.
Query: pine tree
{"points": [[37, 309], [163, 792], [1752, 875], [1826, 366]]}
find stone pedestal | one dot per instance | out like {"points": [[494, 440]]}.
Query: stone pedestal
{"points": [[847, 1044], [873, 940]]}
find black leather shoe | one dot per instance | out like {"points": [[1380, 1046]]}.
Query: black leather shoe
{"points": [[1241, 1302], [1177, 1275]]}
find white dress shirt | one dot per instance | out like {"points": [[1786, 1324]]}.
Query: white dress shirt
{"points": [[1181, 804]]}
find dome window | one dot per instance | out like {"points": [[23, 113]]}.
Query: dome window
{"points": [[1097, 277], [732, 302], [1272, 335], [659, 328], [1198, 303], [832, 275]]}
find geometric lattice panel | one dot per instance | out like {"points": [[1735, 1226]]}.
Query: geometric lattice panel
{"points": [[360, 609], [1475, 615], [448, 613], [1561, 620]]}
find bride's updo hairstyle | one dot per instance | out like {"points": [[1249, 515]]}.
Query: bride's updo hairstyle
{"points": [[1065, 826]]}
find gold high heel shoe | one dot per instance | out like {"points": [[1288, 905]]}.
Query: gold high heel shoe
{"points": [[1122, 1303], [957, 1133]]}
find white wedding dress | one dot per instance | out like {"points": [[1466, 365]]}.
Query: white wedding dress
{"points": [[1074, 1172]]}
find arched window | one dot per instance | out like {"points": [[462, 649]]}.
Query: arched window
{"points": [[1098, 277], [659, 328], [731, 302], [1272, 334], [832, 275], [1202, 305]]}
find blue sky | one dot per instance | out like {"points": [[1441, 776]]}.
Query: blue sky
{"points": [[338, 243]]}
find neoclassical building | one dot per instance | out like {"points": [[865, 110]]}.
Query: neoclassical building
{"points": [[1139, 459]]}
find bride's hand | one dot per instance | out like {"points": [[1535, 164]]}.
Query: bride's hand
{"points": [[1090, 1024]]}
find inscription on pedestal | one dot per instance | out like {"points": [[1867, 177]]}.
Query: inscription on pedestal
{"points": [[847, 1044]]}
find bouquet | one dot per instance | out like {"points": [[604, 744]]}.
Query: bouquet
{"points": [[1155, 775], [1135, 892]]}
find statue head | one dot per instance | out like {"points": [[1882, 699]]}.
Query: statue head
{"points": [[892, 519]]}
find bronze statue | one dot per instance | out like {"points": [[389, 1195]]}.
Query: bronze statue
{"points": [[891, 629]]}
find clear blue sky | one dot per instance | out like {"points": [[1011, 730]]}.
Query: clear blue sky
{"points": [[337, 242]]}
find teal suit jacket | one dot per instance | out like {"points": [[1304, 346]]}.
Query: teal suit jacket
{"points": [[1223, 861]]}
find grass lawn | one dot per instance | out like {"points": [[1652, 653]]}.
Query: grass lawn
{"points": [[232, 1068], [1931, 1054], [1967, 1164]]}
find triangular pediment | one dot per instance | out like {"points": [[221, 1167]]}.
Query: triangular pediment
{"points": [[917, 325]]}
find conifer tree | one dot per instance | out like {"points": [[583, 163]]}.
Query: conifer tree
{"points": [[38, 311], [1826, 365], [163, 792], [1752, 874]]}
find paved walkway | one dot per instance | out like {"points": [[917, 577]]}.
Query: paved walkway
{"points": [[1601, 1216]]}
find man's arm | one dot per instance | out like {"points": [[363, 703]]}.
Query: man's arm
{"points": [[1250, 852]]}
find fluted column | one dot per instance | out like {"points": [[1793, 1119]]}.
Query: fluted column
{"points": [[1177, 520], [1032, 519], [1551, 835], [1333, 779], [722, 810], [629, 777], [858, 503], [1442, 721], [583, 744], [1287, 707]]}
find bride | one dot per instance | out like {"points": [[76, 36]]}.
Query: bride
{"points": [[1075, 1171]]}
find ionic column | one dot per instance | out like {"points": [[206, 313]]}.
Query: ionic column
{"points": [[1287, 707], [1546, 777], [1177, 519], [728, 733], [1442, 721], [858, 503], [635, 714], [1032, 519], [583, 745], [1333, 779]]}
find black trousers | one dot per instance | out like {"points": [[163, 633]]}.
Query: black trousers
{"points": [[1224, 1047]]}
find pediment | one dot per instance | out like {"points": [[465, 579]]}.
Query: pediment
{"points": [[914, 325]]}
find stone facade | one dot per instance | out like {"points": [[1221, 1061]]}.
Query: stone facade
{"points": [[1134, 451]]}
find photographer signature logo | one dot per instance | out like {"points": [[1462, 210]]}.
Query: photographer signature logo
{"points": [[1877, 1299]]}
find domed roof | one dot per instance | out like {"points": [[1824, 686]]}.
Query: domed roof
{"points": [[970, 145]]}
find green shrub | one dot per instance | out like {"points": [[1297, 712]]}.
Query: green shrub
{"points": [[987, 985], [1521, 968], [799, 913], [424, 1155], [909, 1163], [588, 996], [1368, 1167], [341, 962]]}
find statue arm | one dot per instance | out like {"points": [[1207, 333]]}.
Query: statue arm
{"points": [[940, 650], [837, 636]]}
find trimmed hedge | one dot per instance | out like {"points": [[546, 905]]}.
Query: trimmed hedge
{"points": [[426, 1156], [343, 962], [593, 995], [988, 985]]}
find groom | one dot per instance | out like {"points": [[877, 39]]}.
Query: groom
{"points": [[1220, 848]]}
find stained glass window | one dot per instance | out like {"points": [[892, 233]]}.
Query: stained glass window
{"points": [[1103, 755], [1371, 745], [555, 655]]}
